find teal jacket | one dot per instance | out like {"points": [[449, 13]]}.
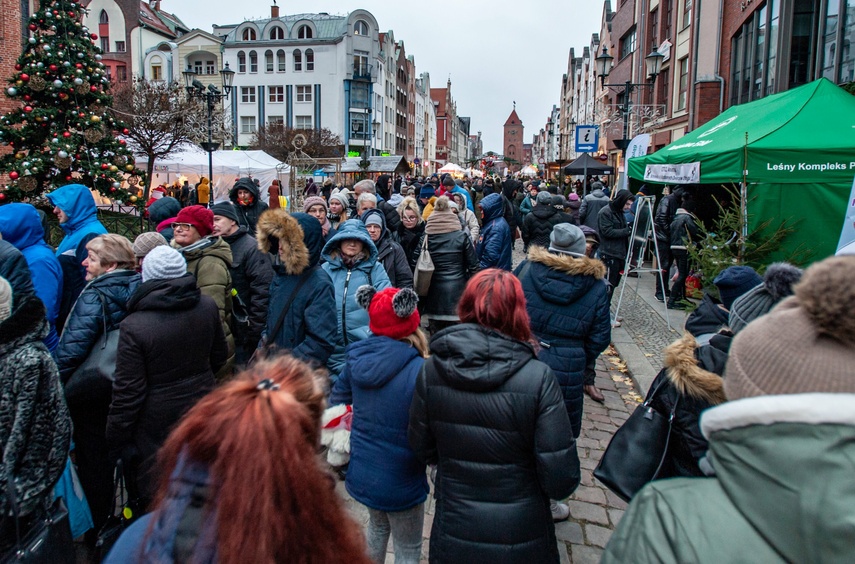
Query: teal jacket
{"points": [[78, 204], [783, 490]]}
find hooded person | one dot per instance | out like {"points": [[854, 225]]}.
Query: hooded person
{"points": [[781, 447], [162, 213], [390, 254], [575, 205], [539, 223], [495, 242], [245, 196], [614, 236], [13, 267], [301, 293], [351, 262], [77, 213], [591, 206], [21, 227]]}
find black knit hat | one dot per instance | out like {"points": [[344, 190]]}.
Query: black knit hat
{"points": [[226, 209], [777, 284]]}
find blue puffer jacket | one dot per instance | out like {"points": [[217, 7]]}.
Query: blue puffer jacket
{"points": [[85, 325], [567, 301], [379, 379], [78, 204], [352, 319], [21, 226], [494, 245]]}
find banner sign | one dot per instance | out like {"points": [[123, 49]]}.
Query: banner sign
{"points": [[636, 148], [688, 173], [846, 246]]}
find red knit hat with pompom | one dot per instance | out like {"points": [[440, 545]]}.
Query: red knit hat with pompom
{"points": [[392, 312], [199, 217]]}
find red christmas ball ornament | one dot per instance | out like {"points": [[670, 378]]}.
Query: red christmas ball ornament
{"points": [[14, 175], [25, 77], [66, 134], [125, 131], [68, 177], [70, 14], [18, 67], [28, 109], [104, 166], [32, 27], [93, 88], [121, 141], [79, 65], [94, 36], [53, 68], [27, 97], [112, 188], [2, 196]]}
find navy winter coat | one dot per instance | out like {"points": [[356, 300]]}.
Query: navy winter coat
{"points": [[379, 378], [309, 330], [494, 245], [13, 267], [567, 301]]}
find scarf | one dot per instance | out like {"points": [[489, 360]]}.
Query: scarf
{"points": [[442, 222]]}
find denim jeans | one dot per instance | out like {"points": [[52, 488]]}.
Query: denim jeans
{"points": [[405, 528]]}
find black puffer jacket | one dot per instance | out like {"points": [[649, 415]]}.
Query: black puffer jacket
{"points": [[252, 273], [13, 267], [613, 228], [537, 226], [664, 216], [492, 418], [391, 255], [171, 344], [409, 239], [85, 324], [247, 214], [455, 262], [684, 230]]}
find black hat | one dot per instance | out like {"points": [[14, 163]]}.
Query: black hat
{"points": [[226, 209]]}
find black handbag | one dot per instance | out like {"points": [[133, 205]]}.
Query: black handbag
{"points": [[638, 450], [125, 510], [94, 377], [47, 538]]}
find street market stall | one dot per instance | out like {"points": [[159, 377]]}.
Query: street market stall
{"points": [[793, 154]]}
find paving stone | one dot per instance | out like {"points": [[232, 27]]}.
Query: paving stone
{"points": [[599, 435], [569, 531], [588, 464], [563, 553], [589, 494], [613, 500], [597, 536], [603, 418], [587, 443], [588, 512], [615, 515], [582, 554]]}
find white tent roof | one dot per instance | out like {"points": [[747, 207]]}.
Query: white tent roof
{"points": [[451, 168], [192, 162]]}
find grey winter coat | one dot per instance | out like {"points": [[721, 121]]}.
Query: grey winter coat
{"points": [[590, 208]]}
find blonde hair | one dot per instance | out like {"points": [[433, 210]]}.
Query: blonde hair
{"points": [[409, 203], [113, 249], [418, 340], [441, 204]]}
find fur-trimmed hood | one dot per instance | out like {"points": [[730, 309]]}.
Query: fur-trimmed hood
{"points": [[575, 266], [688, 376], [278, 230]]}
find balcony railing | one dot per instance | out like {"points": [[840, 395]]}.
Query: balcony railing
{"points": [[361, 72]]}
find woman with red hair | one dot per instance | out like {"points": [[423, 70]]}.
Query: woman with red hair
{"points": [[492, 418], [242, 481]]}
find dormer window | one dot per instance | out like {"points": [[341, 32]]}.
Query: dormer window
{"points": [[360, 28], [305, 32], [248, 34]]}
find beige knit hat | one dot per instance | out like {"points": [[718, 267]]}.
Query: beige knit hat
{"points": [[5, 299], [806, 344], [147, 241]]}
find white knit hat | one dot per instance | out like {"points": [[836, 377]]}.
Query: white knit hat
{"points": [[5, 299], [163, 263]]}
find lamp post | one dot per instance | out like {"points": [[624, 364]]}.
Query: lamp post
{"points": [[196, 90], [652, 64]]}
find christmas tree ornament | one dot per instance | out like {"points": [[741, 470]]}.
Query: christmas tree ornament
{"points": [[12, 91]]}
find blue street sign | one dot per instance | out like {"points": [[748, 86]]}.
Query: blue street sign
{"points": [[587, 138]]}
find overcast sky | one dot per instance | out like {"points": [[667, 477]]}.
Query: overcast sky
{"points": [[495, 55]]}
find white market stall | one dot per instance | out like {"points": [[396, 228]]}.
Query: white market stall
{"points": [[192, 163], [452, 169]]}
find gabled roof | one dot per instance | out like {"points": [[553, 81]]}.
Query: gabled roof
{"points": [[513, 119], [196, 33], [326, 26], [149, 18]]}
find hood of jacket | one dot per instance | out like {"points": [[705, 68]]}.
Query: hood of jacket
{"points": [[21, 225], [206, 246], [493, 207], [476, 359], [176, 293], [786, 463], [598, 193], [382, 185], [510, 186], [350, 229], [116, 286], [299, 235], [372, 363], [575, 204], [543, 211], [619, 201], [563, 279], [78, 204], [687, 374], [244, 184], [384, 230], [27, 324], [163, 209]]}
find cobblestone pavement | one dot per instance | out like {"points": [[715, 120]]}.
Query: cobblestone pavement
{"points": [[646, 327]]}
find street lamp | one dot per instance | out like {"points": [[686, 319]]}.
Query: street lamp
{"points": [[197, 91]]}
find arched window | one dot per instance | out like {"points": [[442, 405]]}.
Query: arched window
{"points": [[277, 33], [248, 34], [280, 59], [268, 61], [305, 32], [103, 18], [310, 60], [360, 28], [253, 61], [298, 60], [241, 61]]}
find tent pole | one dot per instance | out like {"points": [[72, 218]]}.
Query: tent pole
{"points": [[743, 197]]}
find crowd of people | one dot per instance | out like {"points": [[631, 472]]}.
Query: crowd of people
{"points": [[233, 326]]}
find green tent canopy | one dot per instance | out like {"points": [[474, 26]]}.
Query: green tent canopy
{"points": [[794, 150]]}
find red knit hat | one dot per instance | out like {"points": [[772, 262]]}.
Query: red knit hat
{"points": [[199, 217], [391, 312]]}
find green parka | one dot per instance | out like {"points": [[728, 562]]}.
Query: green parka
{"points": [[783, 490], [209, 260]]}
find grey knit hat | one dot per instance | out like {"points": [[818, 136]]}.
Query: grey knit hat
{"points": [[544, 198], [5, 299], [163, 263], [777, 284], [342, 198], [567, 238], [145, 242]]}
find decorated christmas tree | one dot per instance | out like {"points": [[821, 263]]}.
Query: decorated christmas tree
{"points": [[63, 132]]}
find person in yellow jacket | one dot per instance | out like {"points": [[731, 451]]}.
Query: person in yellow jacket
{"points": [[203, 192]]}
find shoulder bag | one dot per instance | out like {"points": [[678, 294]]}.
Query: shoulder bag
{"points": [[126, 508], [267, 350], [424, 270], [638, 451], [95, 375]]}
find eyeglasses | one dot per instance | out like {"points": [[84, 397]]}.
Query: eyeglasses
{"points": [[181, 226], [410, 219]]}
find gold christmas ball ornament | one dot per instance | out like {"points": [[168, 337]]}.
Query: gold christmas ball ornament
{"points": [[129, 167], [114, 168], [95, 119], [133, 198]]}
